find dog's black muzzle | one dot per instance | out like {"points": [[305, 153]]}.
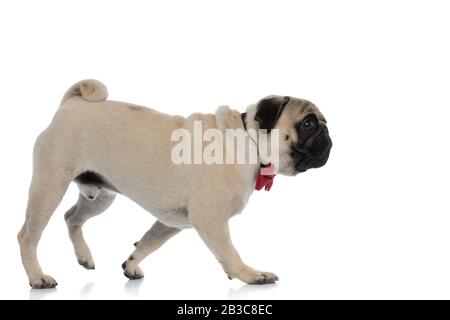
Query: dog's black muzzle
{"points": [[314, 152]]}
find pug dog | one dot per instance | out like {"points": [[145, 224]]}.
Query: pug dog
{"points": [[109, 147]]}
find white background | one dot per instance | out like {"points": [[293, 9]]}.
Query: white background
{"points": [[373, 223]]}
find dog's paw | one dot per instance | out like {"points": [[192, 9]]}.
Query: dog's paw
{"points": [[251, 276], [87, 263], [132, 271], [264, 277], [43, 282], [84, 257]]}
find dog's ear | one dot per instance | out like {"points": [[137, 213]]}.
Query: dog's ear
{"points": [[269, 110]]}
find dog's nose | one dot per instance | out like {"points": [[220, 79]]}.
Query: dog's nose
{"points": [[321, 146]]}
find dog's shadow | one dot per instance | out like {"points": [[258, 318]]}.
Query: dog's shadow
{"points": [[132, 287], [251, 291], [40, 294], [86, 290]]}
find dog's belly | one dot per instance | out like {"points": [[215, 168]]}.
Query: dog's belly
{"points": [[176, 218]]}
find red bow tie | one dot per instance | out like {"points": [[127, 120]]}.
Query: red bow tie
{"points": [[265, 178]]}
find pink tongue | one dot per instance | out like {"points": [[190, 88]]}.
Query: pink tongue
{"points": [[265, 178]]}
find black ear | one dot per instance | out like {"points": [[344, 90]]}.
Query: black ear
{"points": [[269, 110]]}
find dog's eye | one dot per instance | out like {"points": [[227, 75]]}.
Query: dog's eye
{"points": [[308, 124]]}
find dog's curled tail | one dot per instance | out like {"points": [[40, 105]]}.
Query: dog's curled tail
{"points": [[89, 90]]}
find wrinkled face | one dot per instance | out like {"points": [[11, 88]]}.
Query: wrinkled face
{"points": [[304, 139], [313, 145]]}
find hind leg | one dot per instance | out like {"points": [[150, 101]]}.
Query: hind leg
{"points": [[152, 240], [46, 191], [83, 210]]}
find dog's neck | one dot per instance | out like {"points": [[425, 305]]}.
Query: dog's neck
{"points": [[248, 121], [266, 171]]}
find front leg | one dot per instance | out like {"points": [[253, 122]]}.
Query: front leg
{"points": [[214, 231]]}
